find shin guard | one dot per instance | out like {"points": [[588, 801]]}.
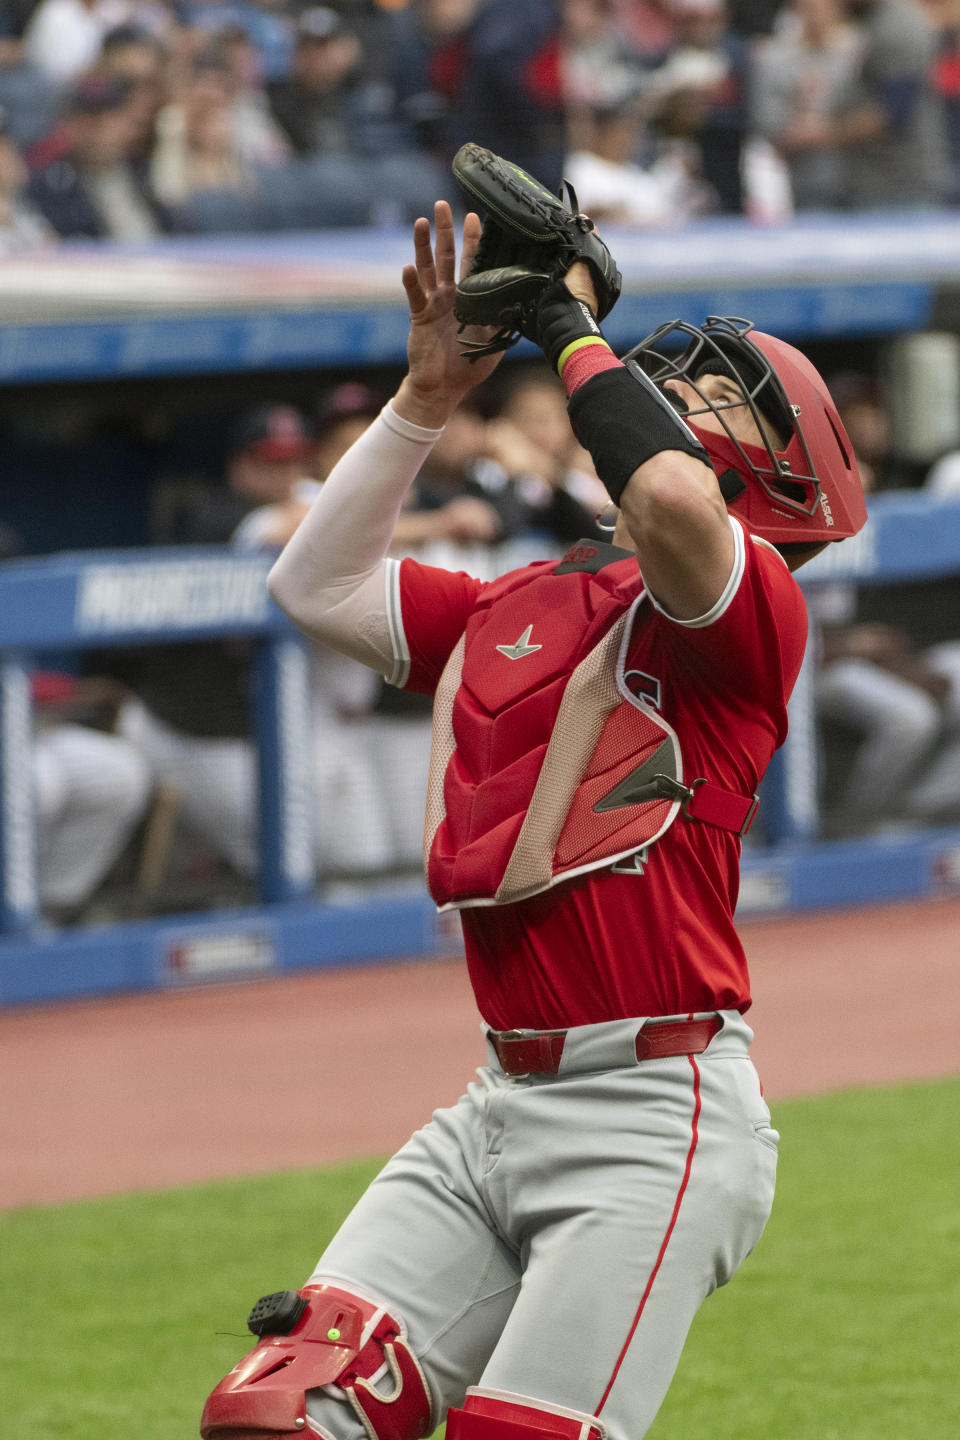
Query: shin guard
{"points": [[499, 1415]]}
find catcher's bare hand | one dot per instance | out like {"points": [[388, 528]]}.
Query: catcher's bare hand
{"points": [[438, 375], [579, 281]]}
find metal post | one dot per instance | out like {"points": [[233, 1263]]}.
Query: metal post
{"points": [[282, 725], [19, 891]]}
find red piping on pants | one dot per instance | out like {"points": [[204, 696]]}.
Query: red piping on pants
{"points": [[695, 1135]]}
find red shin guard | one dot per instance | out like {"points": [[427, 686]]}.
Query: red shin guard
{"points": [[496, 1415]]}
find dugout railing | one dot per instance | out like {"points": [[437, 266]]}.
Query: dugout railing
{"points": [[97, 600]]}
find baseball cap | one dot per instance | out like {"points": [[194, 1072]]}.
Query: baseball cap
{"points": [[347, 400], [271, 432]]}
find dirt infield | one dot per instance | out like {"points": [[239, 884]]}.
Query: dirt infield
{"points": [[141, 1092]]}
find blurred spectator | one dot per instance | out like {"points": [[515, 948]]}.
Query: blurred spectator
{"points": [[610, 183], [132, 53], [359, 160], [455, 503], [342, 415], [427, 44], [701, 90], [552, 478], [803, 79], [512, 95], [874, 686], [863, 407], [22, 227], [897, 133], [599, 70], [934, 797], [85, 177], [259, 139], [944, 15], [92, 788], [891, 133], [323, 105], [136, 58], [196, 147], [191, 717], [63, 37]]}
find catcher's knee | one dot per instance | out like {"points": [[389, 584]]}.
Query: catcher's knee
{"points": [[500, 1415], [323, 1336]]}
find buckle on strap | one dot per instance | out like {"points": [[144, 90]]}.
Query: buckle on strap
{"points": [[713, 805]]}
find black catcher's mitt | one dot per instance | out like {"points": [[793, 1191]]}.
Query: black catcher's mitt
{"points": [[529, 239]]}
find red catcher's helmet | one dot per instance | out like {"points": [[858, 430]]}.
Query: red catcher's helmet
{"points": [[799, 497]]}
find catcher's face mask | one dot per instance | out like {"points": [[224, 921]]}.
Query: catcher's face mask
{"points": [[807, 490]]}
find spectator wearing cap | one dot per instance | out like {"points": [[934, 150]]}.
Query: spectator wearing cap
{"points": [[86, 177], [342, 414], [343, 123], [321, 102], [64, 37]]}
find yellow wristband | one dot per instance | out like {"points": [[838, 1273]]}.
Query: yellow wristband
{"points": [[575, 345]]}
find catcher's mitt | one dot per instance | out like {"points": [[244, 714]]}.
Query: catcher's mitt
{"points": [[529, 239]]}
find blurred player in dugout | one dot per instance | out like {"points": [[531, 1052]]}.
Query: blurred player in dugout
{"points": [[190, 708]]}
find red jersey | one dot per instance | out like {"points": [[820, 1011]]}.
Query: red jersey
{"points": [[659, 940]]}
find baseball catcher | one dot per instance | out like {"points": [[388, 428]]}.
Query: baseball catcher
{"points": [[528, 1265]]}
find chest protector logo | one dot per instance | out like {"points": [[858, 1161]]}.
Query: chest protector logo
{"points": [[540, 771]]}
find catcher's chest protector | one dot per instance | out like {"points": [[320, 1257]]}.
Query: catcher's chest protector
{"points": [[534, 728]]}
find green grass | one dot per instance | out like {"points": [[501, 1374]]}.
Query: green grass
{"points": [[842, 1326]]}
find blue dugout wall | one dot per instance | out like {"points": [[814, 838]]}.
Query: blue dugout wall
{"points": [[189, 308]]}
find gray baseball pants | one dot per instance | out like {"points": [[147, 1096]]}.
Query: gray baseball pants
{"points": [[553, 1236]]}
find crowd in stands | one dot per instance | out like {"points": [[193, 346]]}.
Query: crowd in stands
{"points": [[129, 119]]}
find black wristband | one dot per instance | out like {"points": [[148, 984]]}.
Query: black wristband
{"points": [[562, 318], [623, 419]]}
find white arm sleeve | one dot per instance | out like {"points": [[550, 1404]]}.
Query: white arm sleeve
{"points": [[332, 578]]}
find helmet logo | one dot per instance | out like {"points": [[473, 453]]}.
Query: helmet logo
{"points": [[825, 507]]}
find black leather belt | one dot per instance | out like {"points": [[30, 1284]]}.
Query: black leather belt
{"points": [[538, 1052]]}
